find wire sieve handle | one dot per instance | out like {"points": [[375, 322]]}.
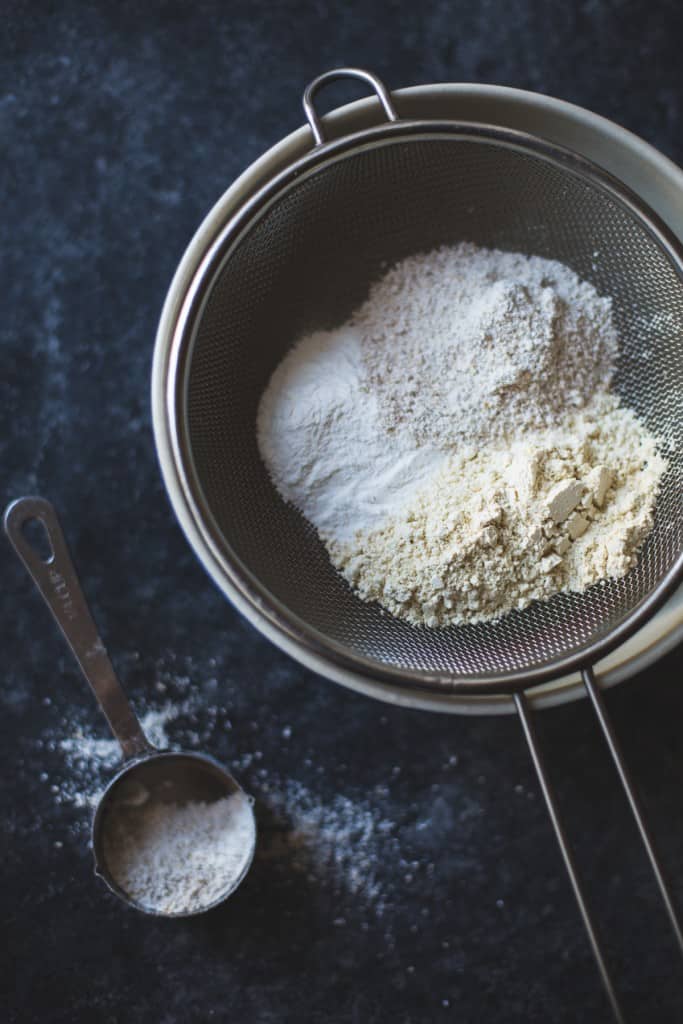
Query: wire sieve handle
{"points": [[594, 692], [383, 95], [550, 798]]}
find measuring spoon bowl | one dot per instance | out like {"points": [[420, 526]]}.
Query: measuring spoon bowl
{"points": [[174, 778]]}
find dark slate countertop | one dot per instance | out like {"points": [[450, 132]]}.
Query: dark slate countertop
{"points": [[406, 870]]}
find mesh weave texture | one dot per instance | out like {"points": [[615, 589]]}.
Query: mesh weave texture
{"points": [[307, 262]]}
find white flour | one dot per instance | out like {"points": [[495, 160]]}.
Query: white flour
{"points": [[341, 840], [176, 858], [450, 440], [322, 438], [466, 344]]}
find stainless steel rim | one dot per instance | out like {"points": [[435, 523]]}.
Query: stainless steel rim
{"points": [[232, 572]]}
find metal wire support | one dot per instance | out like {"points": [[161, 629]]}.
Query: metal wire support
{"points": [[551, 803], [595, 695]]}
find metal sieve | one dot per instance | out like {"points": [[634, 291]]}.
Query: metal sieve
{"points": [[300, 254]]}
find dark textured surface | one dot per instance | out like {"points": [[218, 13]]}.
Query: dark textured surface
{"points": [[121, 125]]}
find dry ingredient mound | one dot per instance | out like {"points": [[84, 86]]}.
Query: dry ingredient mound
{"points": [[468, 344], [179, 858], [456, 443], [514, 522]]}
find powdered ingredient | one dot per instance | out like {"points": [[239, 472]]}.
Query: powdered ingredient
{"points": [[464, 344], [178, 859], [341, 843], [456, 443], [515, 522], [89, 758], [322, 438]]}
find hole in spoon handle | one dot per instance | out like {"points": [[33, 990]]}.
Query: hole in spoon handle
{"points": [[36, 535], [53, 573]]}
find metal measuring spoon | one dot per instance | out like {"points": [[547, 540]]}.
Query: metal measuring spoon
{"points": [[164, 776]]}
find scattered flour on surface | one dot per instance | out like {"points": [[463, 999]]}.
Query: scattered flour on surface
{"points": [[339, 839], [91, 758]]}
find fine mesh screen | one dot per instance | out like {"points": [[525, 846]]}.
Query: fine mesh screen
{"points": [[308, 262]]}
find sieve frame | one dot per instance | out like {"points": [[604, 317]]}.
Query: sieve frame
{"points": [[179, 303], [232, 576]]}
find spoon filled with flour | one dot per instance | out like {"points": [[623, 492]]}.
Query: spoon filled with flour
{"points": [[457, 442], [173, 832], [173, 840]]}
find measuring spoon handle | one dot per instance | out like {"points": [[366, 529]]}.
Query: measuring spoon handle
{"points": [[56, 579]]}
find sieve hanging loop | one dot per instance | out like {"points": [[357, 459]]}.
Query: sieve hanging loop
{"points": [[383, 95]]}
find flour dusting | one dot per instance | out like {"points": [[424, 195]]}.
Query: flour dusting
{"points": [[339, 839]]}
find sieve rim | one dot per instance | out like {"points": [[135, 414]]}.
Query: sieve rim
{"points": [[232, 571]]}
